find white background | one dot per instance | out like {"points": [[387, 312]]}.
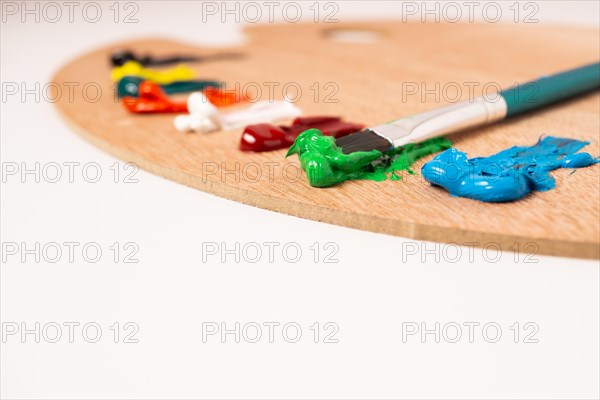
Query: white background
{"points": [[368, 294]]}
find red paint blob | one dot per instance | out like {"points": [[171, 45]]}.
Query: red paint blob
{"points": [[267, 137], [153, 99], [221, 98]]}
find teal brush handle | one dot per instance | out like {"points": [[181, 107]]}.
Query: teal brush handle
{"points": [[483, 110], [551, 89]]}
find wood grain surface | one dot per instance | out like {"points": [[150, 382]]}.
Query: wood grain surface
{"points": [[371, 83]]}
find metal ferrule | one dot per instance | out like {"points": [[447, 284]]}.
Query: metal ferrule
{"points": [[441, 121]]}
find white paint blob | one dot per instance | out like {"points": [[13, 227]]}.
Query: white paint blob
{"points": [[205, 117]]}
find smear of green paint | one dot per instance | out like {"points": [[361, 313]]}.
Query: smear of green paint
{"points": [[326, 165]]}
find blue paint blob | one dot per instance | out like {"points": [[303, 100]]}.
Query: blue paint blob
{"points": [[508, 175]]}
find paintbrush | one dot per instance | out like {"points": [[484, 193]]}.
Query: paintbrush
{"points": [[480, 111]]}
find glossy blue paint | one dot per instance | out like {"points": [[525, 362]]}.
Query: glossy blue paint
{"points": [[508, 175]]}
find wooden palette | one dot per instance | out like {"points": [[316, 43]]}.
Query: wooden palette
{"points": [[371, 83]]}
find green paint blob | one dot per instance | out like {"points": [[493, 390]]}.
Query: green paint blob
{"points": [[326, 165]]}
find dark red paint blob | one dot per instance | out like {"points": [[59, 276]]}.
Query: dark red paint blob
{"points": [[267, 137]]}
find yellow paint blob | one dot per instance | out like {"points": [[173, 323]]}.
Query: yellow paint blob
{"points": [[163, 77]]}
